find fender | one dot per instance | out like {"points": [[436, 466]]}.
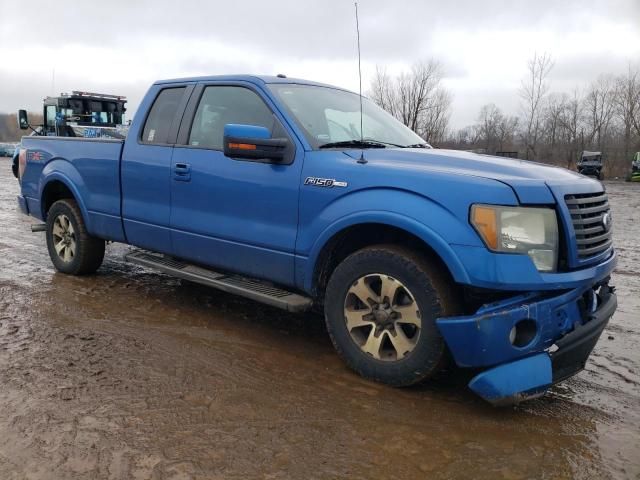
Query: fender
{"points": [[422, 217], [425, 233], [63, 171]]}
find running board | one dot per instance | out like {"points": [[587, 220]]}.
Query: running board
{"points": [[245, 287]]}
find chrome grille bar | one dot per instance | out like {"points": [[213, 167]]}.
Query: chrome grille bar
{"points": [[589, 212]]}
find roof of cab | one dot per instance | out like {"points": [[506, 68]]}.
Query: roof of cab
{"points": [[257, 79]]}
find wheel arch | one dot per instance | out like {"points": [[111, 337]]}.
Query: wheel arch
{"points": [[57, 186], [352, 234]]}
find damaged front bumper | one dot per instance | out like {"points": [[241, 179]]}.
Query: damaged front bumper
{"points": [[530, 341]]}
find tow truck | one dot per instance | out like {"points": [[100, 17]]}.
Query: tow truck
{"points": [[84, 114], [79, 114]]}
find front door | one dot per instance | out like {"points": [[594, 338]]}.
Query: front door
{"points": [[146, 166], [232, 214]]}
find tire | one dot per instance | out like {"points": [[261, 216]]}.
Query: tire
{"points": [[71, 249], [413, 277]]}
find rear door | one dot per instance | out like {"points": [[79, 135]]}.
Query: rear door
{"points": [[233, 214], [146, 168]]}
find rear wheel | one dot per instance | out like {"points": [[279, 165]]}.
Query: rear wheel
{"points": [[71, 248], [381, 305]]}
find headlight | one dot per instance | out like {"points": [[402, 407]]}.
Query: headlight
{"points": [[526, 230]]}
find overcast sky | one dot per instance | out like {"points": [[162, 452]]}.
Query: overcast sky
{"points": [[121, 46]]}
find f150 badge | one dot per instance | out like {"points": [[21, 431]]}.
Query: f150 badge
{"points": [[324, 182]]}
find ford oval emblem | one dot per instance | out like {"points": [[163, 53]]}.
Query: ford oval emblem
{"points": [[606, 221]]}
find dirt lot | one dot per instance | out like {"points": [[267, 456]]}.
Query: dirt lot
{"points": [[132, 374]]}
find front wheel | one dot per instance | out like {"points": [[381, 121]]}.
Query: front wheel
{"points": [[71, 248], [381, 305]]}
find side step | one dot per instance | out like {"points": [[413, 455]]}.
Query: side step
{"points": [[236, 284]]}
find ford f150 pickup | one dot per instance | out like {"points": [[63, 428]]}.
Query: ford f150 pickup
{"points": [[267, 187]]}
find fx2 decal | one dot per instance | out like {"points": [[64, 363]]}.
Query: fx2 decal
{"points": [[324, 182]]}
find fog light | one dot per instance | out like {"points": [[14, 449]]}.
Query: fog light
{"points": [[544, 260], [523, 333]]}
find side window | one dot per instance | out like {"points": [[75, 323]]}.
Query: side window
{"points": [[226, 104], [161, 115], [51, 116]]}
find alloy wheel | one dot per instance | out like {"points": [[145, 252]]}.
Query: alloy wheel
{"points": [[64, 238], [382, 317]]}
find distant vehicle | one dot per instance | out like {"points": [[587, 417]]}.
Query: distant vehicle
{"points": [[81, 114], [266, 187], [84, 114], [7, 149], [590, 164], [635, 168]]}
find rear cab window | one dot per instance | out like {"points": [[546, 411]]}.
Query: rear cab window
{"points": [[162, 115]]}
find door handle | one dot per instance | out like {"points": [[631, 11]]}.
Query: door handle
{"points": [[182, 172]]}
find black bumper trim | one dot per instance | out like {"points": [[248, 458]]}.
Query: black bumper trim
{"points": [[576, 346]]}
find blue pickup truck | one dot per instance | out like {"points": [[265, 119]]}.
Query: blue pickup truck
{"points": [[266, 187]]}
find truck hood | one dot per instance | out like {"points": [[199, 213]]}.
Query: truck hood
{"points": [[532, 182]]}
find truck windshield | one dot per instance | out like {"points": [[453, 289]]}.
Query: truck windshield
{"points": [[330, 116]]}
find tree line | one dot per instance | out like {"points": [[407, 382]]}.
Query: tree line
{"points": [[551, 127], [9, 131]]}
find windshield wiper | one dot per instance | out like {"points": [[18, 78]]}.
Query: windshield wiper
{"points": [[417, 145], [355, 144]]}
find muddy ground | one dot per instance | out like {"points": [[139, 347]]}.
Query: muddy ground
{"points": [[132, 374]]}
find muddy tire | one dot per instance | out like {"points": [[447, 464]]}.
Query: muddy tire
{"points": [[71, 248], [381, 305]]}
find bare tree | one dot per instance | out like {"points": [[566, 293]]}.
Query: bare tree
{"points": [[532, 92], [551, 116], [435, 120], [507, 129], [464, 138], [487, 127], [599, 109], [627, 105], [570, 126], [383, 91], [494, 130], [604, 116], [416, 98]]}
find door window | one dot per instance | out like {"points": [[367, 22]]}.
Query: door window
{"points": [[161, 116], [221, 105], [51, 116]]}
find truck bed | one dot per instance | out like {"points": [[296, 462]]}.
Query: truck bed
{"points": [[90, 168]]}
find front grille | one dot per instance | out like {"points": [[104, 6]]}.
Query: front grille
{"points": [[588, 211]]}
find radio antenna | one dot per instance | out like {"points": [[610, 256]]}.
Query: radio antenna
{"points": [[361, 160]]}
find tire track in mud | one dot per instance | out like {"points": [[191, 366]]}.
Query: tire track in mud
{"points": [[167, 411], [181, 402]]}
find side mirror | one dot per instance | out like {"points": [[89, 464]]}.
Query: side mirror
{"points": [[23, 120], [253, 143]]}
